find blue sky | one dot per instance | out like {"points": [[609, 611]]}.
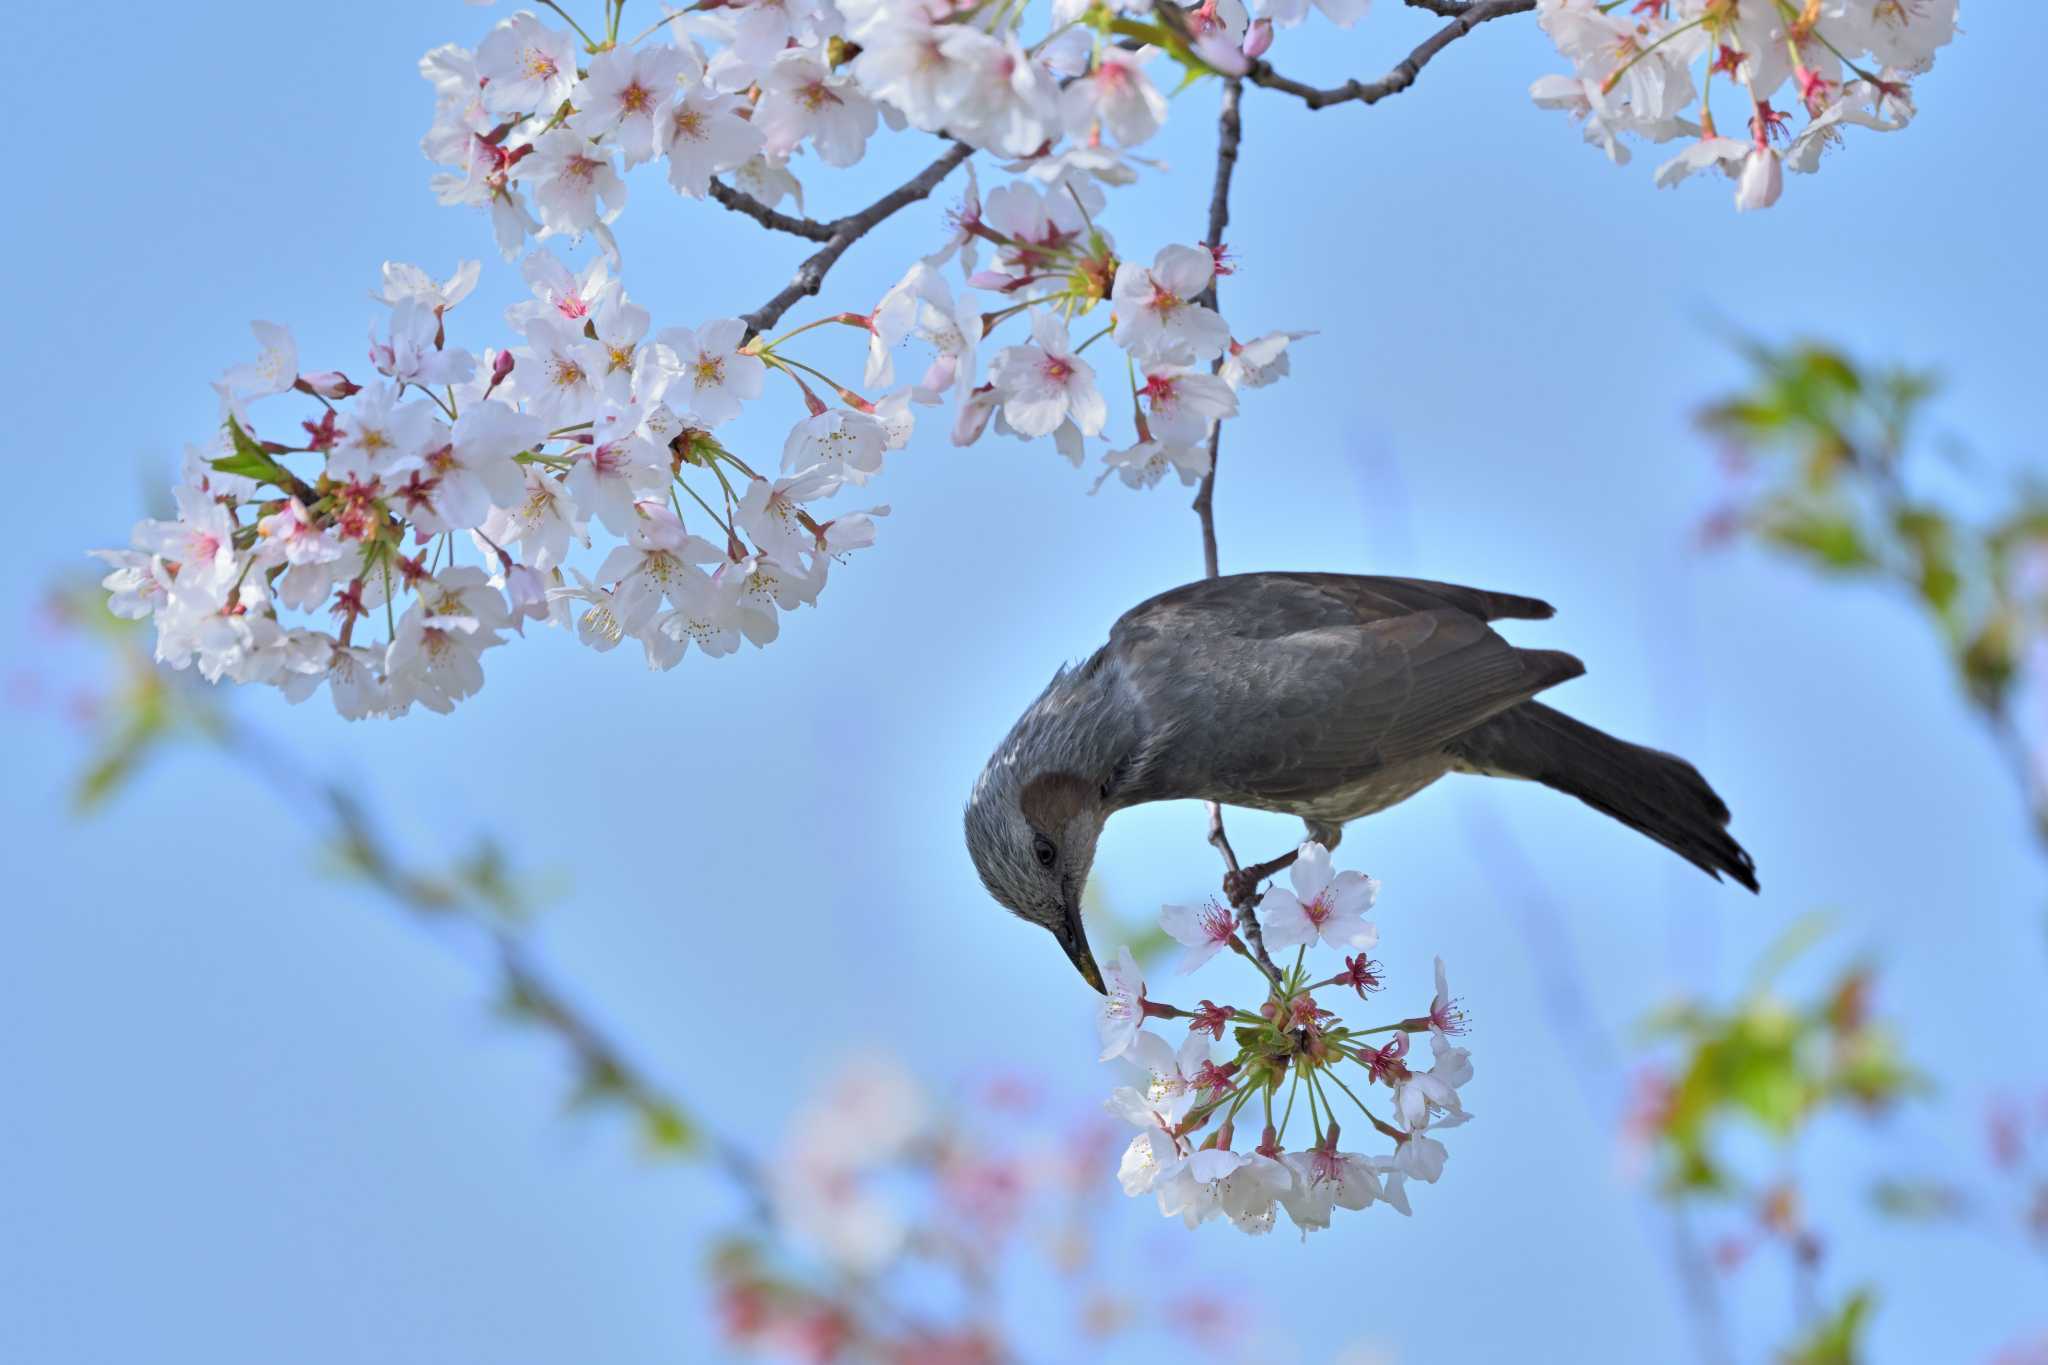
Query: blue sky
{"points": [[245, 1115]]}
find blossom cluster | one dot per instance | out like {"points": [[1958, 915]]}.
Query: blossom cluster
{"points": [[1842, 63], [745, 90], [291, 546], [1188, 1106], [593, 417]]}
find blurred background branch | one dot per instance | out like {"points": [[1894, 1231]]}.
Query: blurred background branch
{"points": [[1830, 462]]}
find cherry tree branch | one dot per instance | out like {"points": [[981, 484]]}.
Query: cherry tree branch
{"points": [[1468, 17], [1229, 137], [739, 201], [844, 232], [1446, 9]]}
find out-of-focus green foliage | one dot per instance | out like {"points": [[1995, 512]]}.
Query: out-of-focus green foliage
{"points": [[1771, 1065], [1832, 466], [1834, 1340], [143, 707]]}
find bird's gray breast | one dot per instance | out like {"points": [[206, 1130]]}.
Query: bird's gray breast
{"points": [[1374, 790]]}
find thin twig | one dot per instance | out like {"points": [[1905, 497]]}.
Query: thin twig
{"points": [[1466, 19], [1446, 9], [739, 201], [2018, 755], [844, 232], [1229, 136], [526, 986]]}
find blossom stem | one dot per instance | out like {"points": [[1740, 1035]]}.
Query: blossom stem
{"points": [[1097, 337], [1357, 1101], [850, 319], [837, 387], [1614, 76], [703, 504], [571, 20]]}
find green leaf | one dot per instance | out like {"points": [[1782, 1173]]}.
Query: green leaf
{"points": [[1828, 537], [1838, 1338], [252, 461], [667, 1130]]}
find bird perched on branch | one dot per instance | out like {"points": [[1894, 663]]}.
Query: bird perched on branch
{"points": [[1326, 696]]}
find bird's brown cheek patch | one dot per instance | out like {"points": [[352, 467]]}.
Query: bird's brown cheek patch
{"points": [[1050, 800]]}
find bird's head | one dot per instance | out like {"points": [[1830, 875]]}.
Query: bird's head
{"points": [[1033, 841]]}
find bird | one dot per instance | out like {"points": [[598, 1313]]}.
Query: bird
{"points": [[1320, 695]]}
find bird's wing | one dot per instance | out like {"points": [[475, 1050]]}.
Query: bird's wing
{"points": [[1277, 687]]}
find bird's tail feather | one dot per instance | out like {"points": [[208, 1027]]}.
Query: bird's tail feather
{"points": [[1656, 793]]}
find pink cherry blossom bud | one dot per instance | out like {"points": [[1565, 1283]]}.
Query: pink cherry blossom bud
{"points": [[1762, 181], [527, 590], [1214, 47], [327, 384], [501, 367], [1258, 38]]}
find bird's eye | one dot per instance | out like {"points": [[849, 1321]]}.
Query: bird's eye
{"points": [[1042, 846]]}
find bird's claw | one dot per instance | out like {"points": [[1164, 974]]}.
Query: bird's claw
{"points": [[1241, 885]]}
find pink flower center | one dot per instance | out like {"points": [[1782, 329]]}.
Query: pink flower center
{"points": [[1217, 923]]}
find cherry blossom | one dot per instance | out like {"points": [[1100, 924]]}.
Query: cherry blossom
{"points": [[275, 369], [403, 282], [1324, 905], [1157, 317], [1122, 1012], [1145, 463], [715, 375], [1116, 95], [802, 101], [1205, 929], [1634, 75], [314, 522], [523, 66], [703, 135], [625, 95], [1291, 1059], [576, 186], [1045, 383]]}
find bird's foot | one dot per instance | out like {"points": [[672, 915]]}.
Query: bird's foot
{"points": [[1241, 885]]}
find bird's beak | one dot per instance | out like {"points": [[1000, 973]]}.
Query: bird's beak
{"points": [[1074, 938]]}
